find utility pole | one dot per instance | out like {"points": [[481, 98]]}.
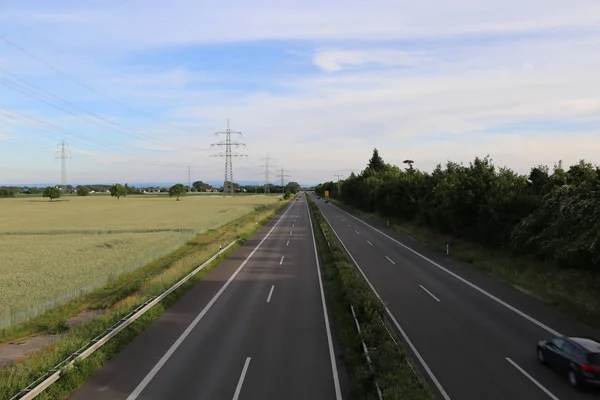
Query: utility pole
{"points": [[228, 144], [282, 175], [267, 172], [338, 176], [63, 154]]}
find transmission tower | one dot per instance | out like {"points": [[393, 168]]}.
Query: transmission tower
{"points": [[189, 178], [228, 154], [63, 154], [282, 174], [266, 166], [338, 185]]}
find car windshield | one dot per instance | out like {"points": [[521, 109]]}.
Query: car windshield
{"points": [[594, 359]]}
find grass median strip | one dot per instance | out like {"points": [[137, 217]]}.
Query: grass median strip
{"points": [[346, 290], [120, 298]]}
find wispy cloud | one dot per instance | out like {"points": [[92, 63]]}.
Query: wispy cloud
{"points": [[338, 59], [315, 84]]}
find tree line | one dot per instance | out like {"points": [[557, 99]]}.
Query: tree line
{"points": [[118, 190], [553, 215]]}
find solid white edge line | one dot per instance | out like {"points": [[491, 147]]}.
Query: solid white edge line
{"points": [[270, 294], [281, 262], [387, 310], [336, 379], [532, 379], [370, 243], [136, 392], [463, 280], [390, 260], [238, 389], [429, 293]]}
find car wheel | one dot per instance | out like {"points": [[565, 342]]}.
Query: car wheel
{"points": [[540, 355], [573, 381]]}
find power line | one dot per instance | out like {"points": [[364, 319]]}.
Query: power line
{"points": [[228, 144], [116, 153], [267, 172], [48, 125], [282, 174], [88, 87], [55, 101]]}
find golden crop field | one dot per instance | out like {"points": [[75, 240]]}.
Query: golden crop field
{"points": [[52, 251]]}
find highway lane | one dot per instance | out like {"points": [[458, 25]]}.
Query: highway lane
{"points": [[255, 327], [474, 346]]}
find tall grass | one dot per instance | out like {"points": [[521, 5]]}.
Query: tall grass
{"points": [[54, 252]]}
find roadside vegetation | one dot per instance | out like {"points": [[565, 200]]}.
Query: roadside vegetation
{"points": [[345, 287], [539, 233], [117, 299]]}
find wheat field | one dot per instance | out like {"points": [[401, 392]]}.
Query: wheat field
{"points": [[51, 252]]}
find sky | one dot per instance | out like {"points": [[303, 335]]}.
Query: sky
{"points": [[138, 88]]}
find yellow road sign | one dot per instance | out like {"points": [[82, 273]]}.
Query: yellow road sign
{"points": [[327, 193]]}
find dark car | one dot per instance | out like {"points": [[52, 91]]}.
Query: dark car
{"points": [[576, 358], [326, 201]]}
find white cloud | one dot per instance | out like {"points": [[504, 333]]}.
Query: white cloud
{"points": [[424, 80], [337, 59], [121, 24]]}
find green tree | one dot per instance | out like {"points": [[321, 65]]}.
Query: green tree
{"points": [[201, 186], [177, 190], [376, 162], [117, 190], [551, 215], [52, 192], [130, 189], [83, 191], [10, 191], [293, 187]]}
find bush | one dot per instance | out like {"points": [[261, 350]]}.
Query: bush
{"points": [[83, 191]]}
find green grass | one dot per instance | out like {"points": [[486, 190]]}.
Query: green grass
{"points": [[345, 287], [55, 251], [121, 296], [574, 292]]}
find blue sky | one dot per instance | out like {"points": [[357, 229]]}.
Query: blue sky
{"points": [[137, 88]]}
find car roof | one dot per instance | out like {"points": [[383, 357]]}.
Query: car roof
{"points": [[588, 344]]}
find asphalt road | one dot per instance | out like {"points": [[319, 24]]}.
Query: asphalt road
{"points": [[476, 336], [256, 327]]}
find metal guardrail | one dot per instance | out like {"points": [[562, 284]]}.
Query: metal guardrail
{"points": [[366, 351], [42, 383]]}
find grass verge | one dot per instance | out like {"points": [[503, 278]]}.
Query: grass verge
{"points": [[574, 292], [345, 287], [121, 297]]}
